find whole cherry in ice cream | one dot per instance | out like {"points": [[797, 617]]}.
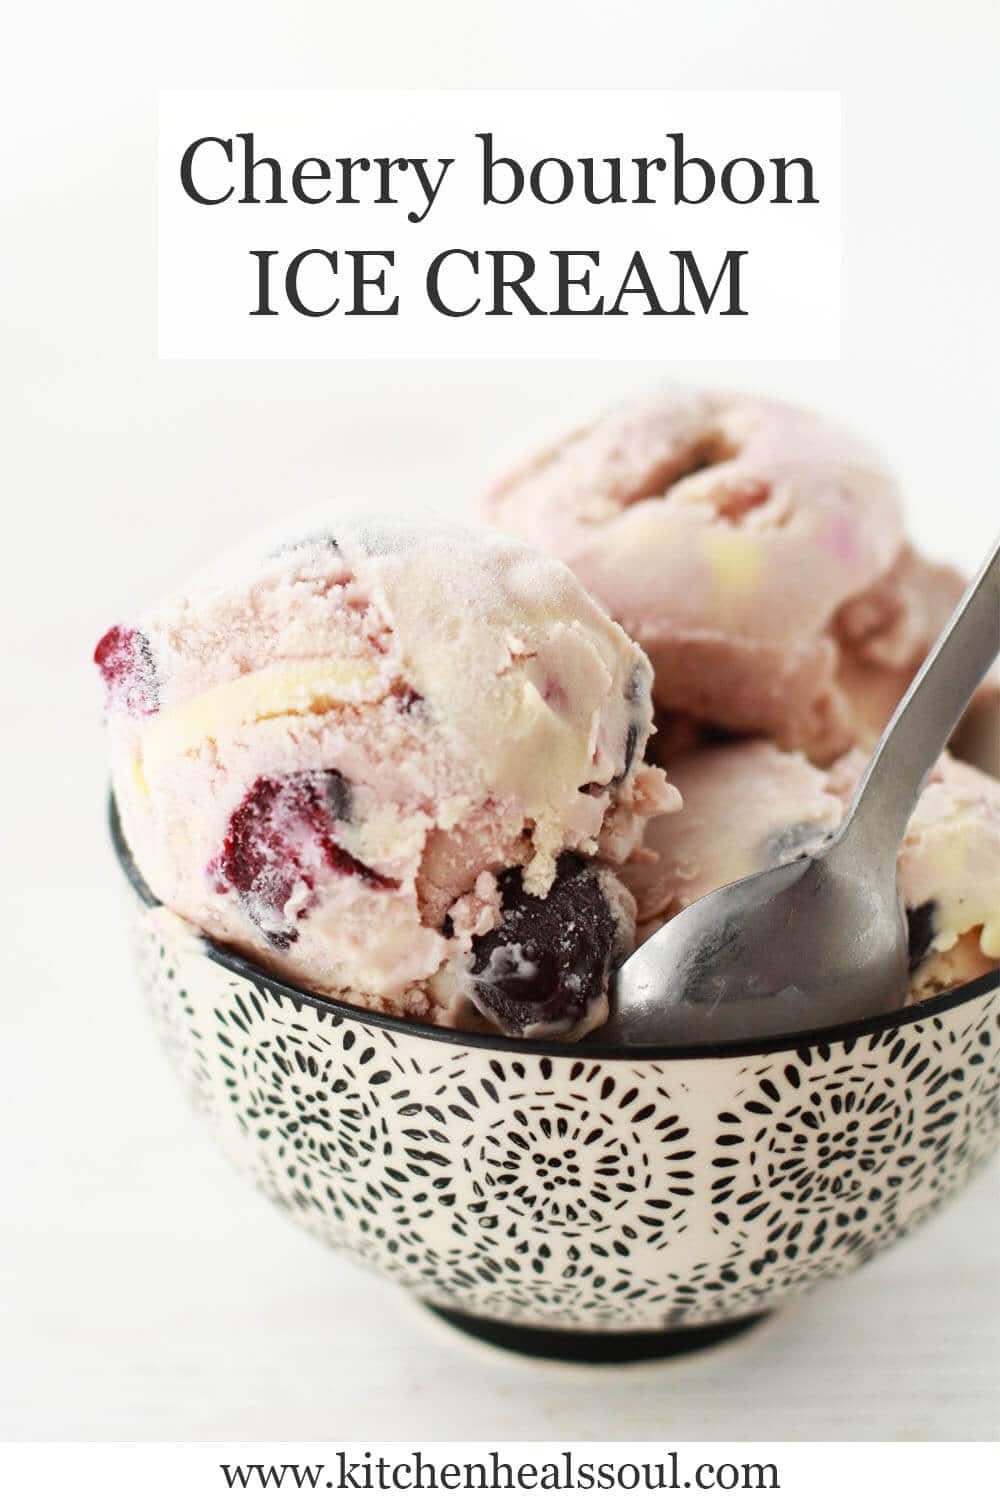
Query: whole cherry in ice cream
{"points": [[920, 931], [279, 839], [547, 962], [124, 659]]}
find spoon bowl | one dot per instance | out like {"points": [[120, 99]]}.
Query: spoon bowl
{"points": [[822, 939], [746, 959]]}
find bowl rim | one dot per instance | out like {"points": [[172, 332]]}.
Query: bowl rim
{"points": [[584, 1050]]}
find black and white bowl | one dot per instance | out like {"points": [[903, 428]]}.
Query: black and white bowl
{"points": [[569, 1200]]}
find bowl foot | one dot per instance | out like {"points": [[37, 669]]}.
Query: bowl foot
{"points": [[595, 1348]]}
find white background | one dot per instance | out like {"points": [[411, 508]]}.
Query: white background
{"points": [[146, 1292]]}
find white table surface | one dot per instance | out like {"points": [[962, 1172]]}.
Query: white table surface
{"points": [[145, 1292]]}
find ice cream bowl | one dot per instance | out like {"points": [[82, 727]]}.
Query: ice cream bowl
{"points": [[576, 1201]]}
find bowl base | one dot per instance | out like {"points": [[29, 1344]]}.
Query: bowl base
{"points": [[595, 1348]]}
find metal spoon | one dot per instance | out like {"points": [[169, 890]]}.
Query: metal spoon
{"points": [[823, 938]]}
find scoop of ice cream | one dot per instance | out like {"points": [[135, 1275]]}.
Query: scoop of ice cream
{"points": [[883, 637], [749, 806], [730, 536], [884, 634], [356, 748]]}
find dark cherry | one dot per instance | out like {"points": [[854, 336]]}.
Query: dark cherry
{"points": [[408, 699], [550, 956], [920, 921], [595, 788], [334, 792], [631, 740], [124, 658], [282, 836]]}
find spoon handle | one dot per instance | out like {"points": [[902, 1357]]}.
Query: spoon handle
{"points": [[923, 722]]}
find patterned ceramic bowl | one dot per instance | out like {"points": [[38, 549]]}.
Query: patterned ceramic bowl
{"points": [[569, 1200]]}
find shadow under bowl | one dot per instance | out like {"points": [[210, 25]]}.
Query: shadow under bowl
{"points": [[568, 1200]]}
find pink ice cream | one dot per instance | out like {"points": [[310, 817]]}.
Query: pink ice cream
{"points": [[395, 762], [884, 635], [753, 550], [749, 806]]}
